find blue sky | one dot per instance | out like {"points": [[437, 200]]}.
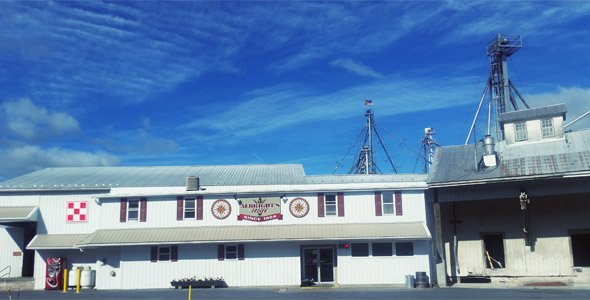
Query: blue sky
{"points": [[265, 82]]}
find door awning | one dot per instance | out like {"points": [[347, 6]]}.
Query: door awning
{"points": [[18, 214]]}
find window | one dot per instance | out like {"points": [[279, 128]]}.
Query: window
{"points": [[388, 203], [163, 253], [231, 252], [520, 133], [547, 128], [132, 210], [382, 249], [360, 249], [581, 249], [404, 249], [331, 205], [189, 208], [494, 251]]}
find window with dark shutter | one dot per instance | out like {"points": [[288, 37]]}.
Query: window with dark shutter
{"points": [[220, 252], [179, 206], [154, 254], [200, 208], [398, 203], [340, 197], [240, 251], [143, 210], [123, 216], [174, 253], [321, 211], [378, 209]]}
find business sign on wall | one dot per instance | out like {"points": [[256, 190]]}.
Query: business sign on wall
{"points": [[260, 209]]}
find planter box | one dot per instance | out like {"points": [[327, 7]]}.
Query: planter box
{"points": [[199, 284]]}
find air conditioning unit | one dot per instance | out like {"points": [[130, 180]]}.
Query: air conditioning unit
{"points": [[192, 183]]}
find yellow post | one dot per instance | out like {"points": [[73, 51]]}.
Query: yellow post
{"points": [[189, 291], [78, 282], [65, 280]]}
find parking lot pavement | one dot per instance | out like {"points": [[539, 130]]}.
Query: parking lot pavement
{"points": [[324, 294]]}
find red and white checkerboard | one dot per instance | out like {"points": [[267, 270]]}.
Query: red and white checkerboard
{"points": [[77, 211]]}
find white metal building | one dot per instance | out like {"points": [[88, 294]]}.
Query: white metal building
{"points": [[253, 225]]}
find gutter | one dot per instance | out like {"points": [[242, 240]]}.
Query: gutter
{"points": [[509, 179]]}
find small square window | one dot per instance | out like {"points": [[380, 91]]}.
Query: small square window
{"points": [[360, 249], [388, 208], [547, 128], [404, 249], [330, 205], [132, 210], [231, 252], [382, 249], [520, 133], [189, 208], [163, 253]]}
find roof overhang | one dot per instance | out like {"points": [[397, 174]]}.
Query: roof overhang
{"points": [[55, 241], [12, 214], [265, 233], [509, 179]]}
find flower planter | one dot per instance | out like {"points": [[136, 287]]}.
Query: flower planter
{"points": [[199, 284]]}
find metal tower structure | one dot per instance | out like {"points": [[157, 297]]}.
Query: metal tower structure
{"points": [[428, 144], [499, 85], [365, 161]]}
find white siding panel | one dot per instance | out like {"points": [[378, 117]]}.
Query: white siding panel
{"points": [[11, 239], [52, 215]]}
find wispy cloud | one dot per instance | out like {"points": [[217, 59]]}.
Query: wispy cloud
{"points": [[355, 67]]}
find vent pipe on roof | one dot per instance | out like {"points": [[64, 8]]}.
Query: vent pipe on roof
{"points": [[489, 154], [192, 183]]}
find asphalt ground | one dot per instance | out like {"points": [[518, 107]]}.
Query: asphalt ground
{"points": [[327, 293]]}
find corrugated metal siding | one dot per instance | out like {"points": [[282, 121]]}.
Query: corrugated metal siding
{"points": [[90, 177], [16, 212], [551, 157], [415, 230], [55, 241]]}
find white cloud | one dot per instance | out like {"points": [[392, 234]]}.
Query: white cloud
{"points": [[355, 67], [576, 99], [20, 160], [26, 121]]}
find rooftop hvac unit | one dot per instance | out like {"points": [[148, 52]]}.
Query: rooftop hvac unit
{"points": [[192, 183]]}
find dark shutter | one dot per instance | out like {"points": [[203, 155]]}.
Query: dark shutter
{"points": [[321, 210], [179, 207], [200, 208], [378, 205], [220, 252], [123, 217], [142, 209], [398, 204], [340, 200], [240, 251], [174, 253], [154, 254]]}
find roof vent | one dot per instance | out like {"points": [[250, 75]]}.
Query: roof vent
{"points": [[489, 154], [192, 183]]}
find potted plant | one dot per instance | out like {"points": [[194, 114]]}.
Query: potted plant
{"points": [[206, 282]]}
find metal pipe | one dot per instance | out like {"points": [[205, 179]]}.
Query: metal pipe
{"points": [[477, 113], [577, 119]]}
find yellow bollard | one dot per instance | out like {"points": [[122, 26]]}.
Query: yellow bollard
{"points": [[65, 280], [78, 282], [189, 291]]}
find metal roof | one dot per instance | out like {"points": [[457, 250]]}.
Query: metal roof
{"points": [[360, 178], [559, 157], [533, 113], [55, 241], [18, 214], [209, 234], [105, 177]]}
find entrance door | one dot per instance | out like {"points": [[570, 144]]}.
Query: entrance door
{"points": [[318, 264]]}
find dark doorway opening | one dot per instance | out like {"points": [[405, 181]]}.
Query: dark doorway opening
{"points": [[494, 251], [581, 249]]}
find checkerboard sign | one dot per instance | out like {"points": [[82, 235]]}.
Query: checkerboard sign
{"points": [[77, 211]]}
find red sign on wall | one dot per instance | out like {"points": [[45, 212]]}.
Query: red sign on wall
{"points": [[77, 211]]}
